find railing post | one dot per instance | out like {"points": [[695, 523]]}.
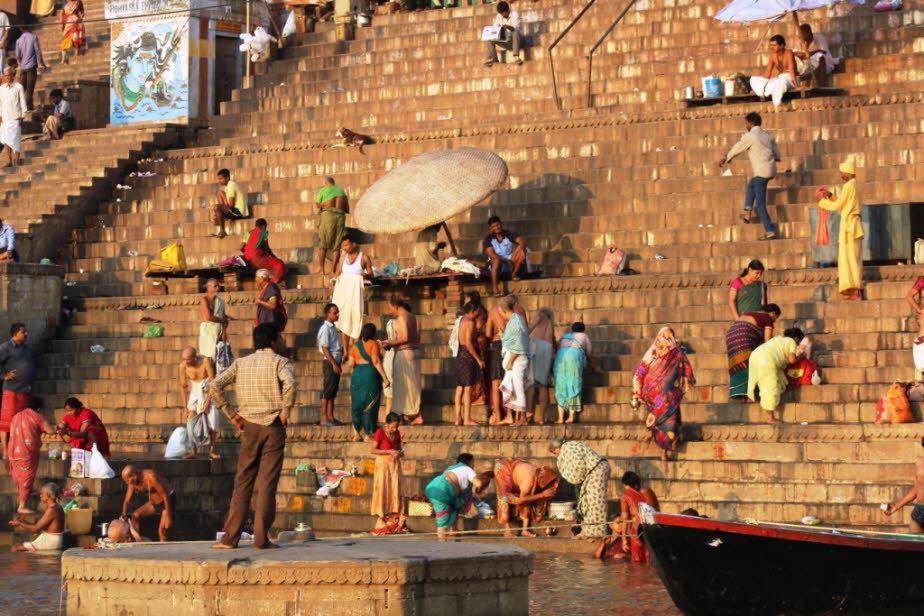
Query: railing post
{"points": [[590, 55], [576, 19]]}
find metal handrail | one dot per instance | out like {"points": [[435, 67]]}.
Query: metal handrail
{"points": [[590, 55], [552, 46]]}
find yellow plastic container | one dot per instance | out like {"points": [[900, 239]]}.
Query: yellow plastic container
{"points": [[80, 521]]}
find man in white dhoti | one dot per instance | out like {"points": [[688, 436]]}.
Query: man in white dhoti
{"points": [[196, 375], [780, 75], [813, 56], [405, 380], [348, 291], [518, 376], [12, 111], [214, 321]]}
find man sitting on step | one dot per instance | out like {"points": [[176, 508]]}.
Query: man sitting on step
{"points": [[506, 252], [232, 203], [813, 57], [7, 243], [61, 119], [511, 35], [780, 75]]}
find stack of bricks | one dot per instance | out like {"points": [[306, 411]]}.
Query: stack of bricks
{"points": [[637, 171]]}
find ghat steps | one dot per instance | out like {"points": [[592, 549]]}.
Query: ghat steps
{"points": [[637, 171]]}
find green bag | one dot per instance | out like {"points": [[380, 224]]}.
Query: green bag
{"points": [[154, 331]]}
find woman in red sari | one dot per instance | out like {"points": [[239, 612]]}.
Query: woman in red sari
{"points": [[525, 488], [661, 380], [71, 28], [626, 537], [24, 447], [257, 252], [81, 428]]}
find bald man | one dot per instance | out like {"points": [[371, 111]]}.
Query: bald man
{"points": [[196, 375], [161, 498]]}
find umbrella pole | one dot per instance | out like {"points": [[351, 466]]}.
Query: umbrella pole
{"points": [[761, 41], [452, 245], [795, 18]]}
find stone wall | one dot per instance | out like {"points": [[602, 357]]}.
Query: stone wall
{"points": [[31, 294]]}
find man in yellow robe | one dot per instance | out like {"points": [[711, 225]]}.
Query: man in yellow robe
{"points": [[850, 239]]}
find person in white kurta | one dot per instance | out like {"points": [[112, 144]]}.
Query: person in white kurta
{"points": [[12, 111], [348, 291]]}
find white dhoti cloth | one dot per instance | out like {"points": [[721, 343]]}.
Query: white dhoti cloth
{"points": [[45, 542], [348, 296], [209, 332], [516, 383], [11, 134], [775, 87], [388, 360], [917, 349], [406, 382], [198, 392]]}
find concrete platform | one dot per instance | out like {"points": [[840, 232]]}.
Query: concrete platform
{"points": [[381, 577]]}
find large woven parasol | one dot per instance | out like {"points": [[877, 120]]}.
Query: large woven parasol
{"points": [[429, 189]]}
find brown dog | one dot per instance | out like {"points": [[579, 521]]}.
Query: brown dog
{"points": [[352, 140]]}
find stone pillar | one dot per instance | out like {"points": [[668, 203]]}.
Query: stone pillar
{"points": [[343, 18]]}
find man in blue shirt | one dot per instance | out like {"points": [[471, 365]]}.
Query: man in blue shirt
{"points": [[61, 119], [29, 54], [7, 243], [332, 349], [17, 371]]}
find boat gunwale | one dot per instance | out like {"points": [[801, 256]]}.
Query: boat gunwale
{"points": [[768, 530]]}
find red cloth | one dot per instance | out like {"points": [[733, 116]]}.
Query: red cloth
{"points": [[919, 283], [821, 233], [24, 448], [256, 254], [636, 545], [96, 428], [384, 443], [800, 373], [12, 403]]}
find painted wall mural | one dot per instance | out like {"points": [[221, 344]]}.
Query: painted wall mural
{"points": [[149, 70]]}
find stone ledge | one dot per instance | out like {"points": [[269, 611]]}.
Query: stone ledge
{"points": [[367, 561]]}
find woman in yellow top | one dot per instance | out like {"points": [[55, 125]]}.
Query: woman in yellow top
{"points": [[850, 239]]}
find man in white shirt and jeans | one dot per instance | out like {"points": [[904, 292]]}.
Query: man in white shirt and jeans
{"points": [[511, 34], [763, 154]]}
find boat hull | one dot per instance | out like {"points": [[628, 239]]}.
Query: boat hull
{"points": [[713, 568]]}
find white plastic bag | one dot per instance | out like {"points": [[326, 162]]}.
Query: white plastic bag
{"points": [[918, 251], [289, 28], [176, 445], [98, 467]]}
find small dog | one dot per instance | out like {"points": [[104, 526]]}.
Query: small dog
{"points": [[352, 140]]}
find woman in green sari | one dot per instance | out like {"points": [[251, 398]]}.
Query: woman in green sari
{"points": [[748, 292], [366, 383]]}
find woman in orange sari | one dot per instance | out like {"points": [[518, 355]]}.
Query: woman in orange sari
{"points": [[526, 489], [71, 28], [259, 255], [24, 447]]}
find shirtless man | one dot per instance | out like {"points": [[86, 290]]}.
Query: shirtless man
{"points": [[196, 374], [161, 498], [405, 382], [50, 525], [494, 329], [542, 356], [469, 365], [916, 494], [781, 74]]}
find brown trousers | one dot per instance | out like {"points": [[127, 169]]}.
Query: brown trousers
{"points": [[259, 462]]}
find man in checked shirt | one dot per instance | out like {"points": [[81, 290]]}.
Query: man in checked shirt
{"points": [[265, 389]]}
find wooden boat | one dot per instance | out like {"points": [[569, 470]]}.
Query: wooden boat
{"points": [[713, 568]]}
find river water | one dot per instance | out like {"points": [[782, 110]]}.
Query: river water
{"points": [[576, 585]]}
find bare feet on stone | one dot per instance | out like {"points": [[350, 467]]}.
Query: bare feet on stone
{"points": [[221, 546], [527, 533]]}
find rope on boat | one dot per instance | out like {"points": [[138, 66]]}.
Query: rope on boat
{"points": [[833, 529]]}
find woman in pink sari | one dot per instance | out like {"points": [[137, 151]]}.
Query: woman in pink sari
{"points": [[661, 380], [259, 255], [24, 447], [71, 28]]}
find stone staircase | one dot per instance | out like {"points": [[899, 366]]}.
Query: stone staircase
{"points": [[638, 171]]}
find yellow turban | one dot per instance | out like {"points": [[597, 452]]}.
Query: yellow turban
{"points": [[848, 167]]}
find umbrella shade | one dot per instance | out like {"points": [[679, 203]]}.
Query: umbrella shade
{"points": [[770, 10], [429, 189]]}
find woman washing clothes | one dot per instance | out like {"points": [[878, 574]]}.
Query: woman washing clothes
{"points": [[746, 334], [451, 492]]}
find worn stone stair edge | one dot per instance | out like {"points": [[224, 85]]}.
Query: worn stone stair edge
{"points": [[538, 286], [617, 119]]}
